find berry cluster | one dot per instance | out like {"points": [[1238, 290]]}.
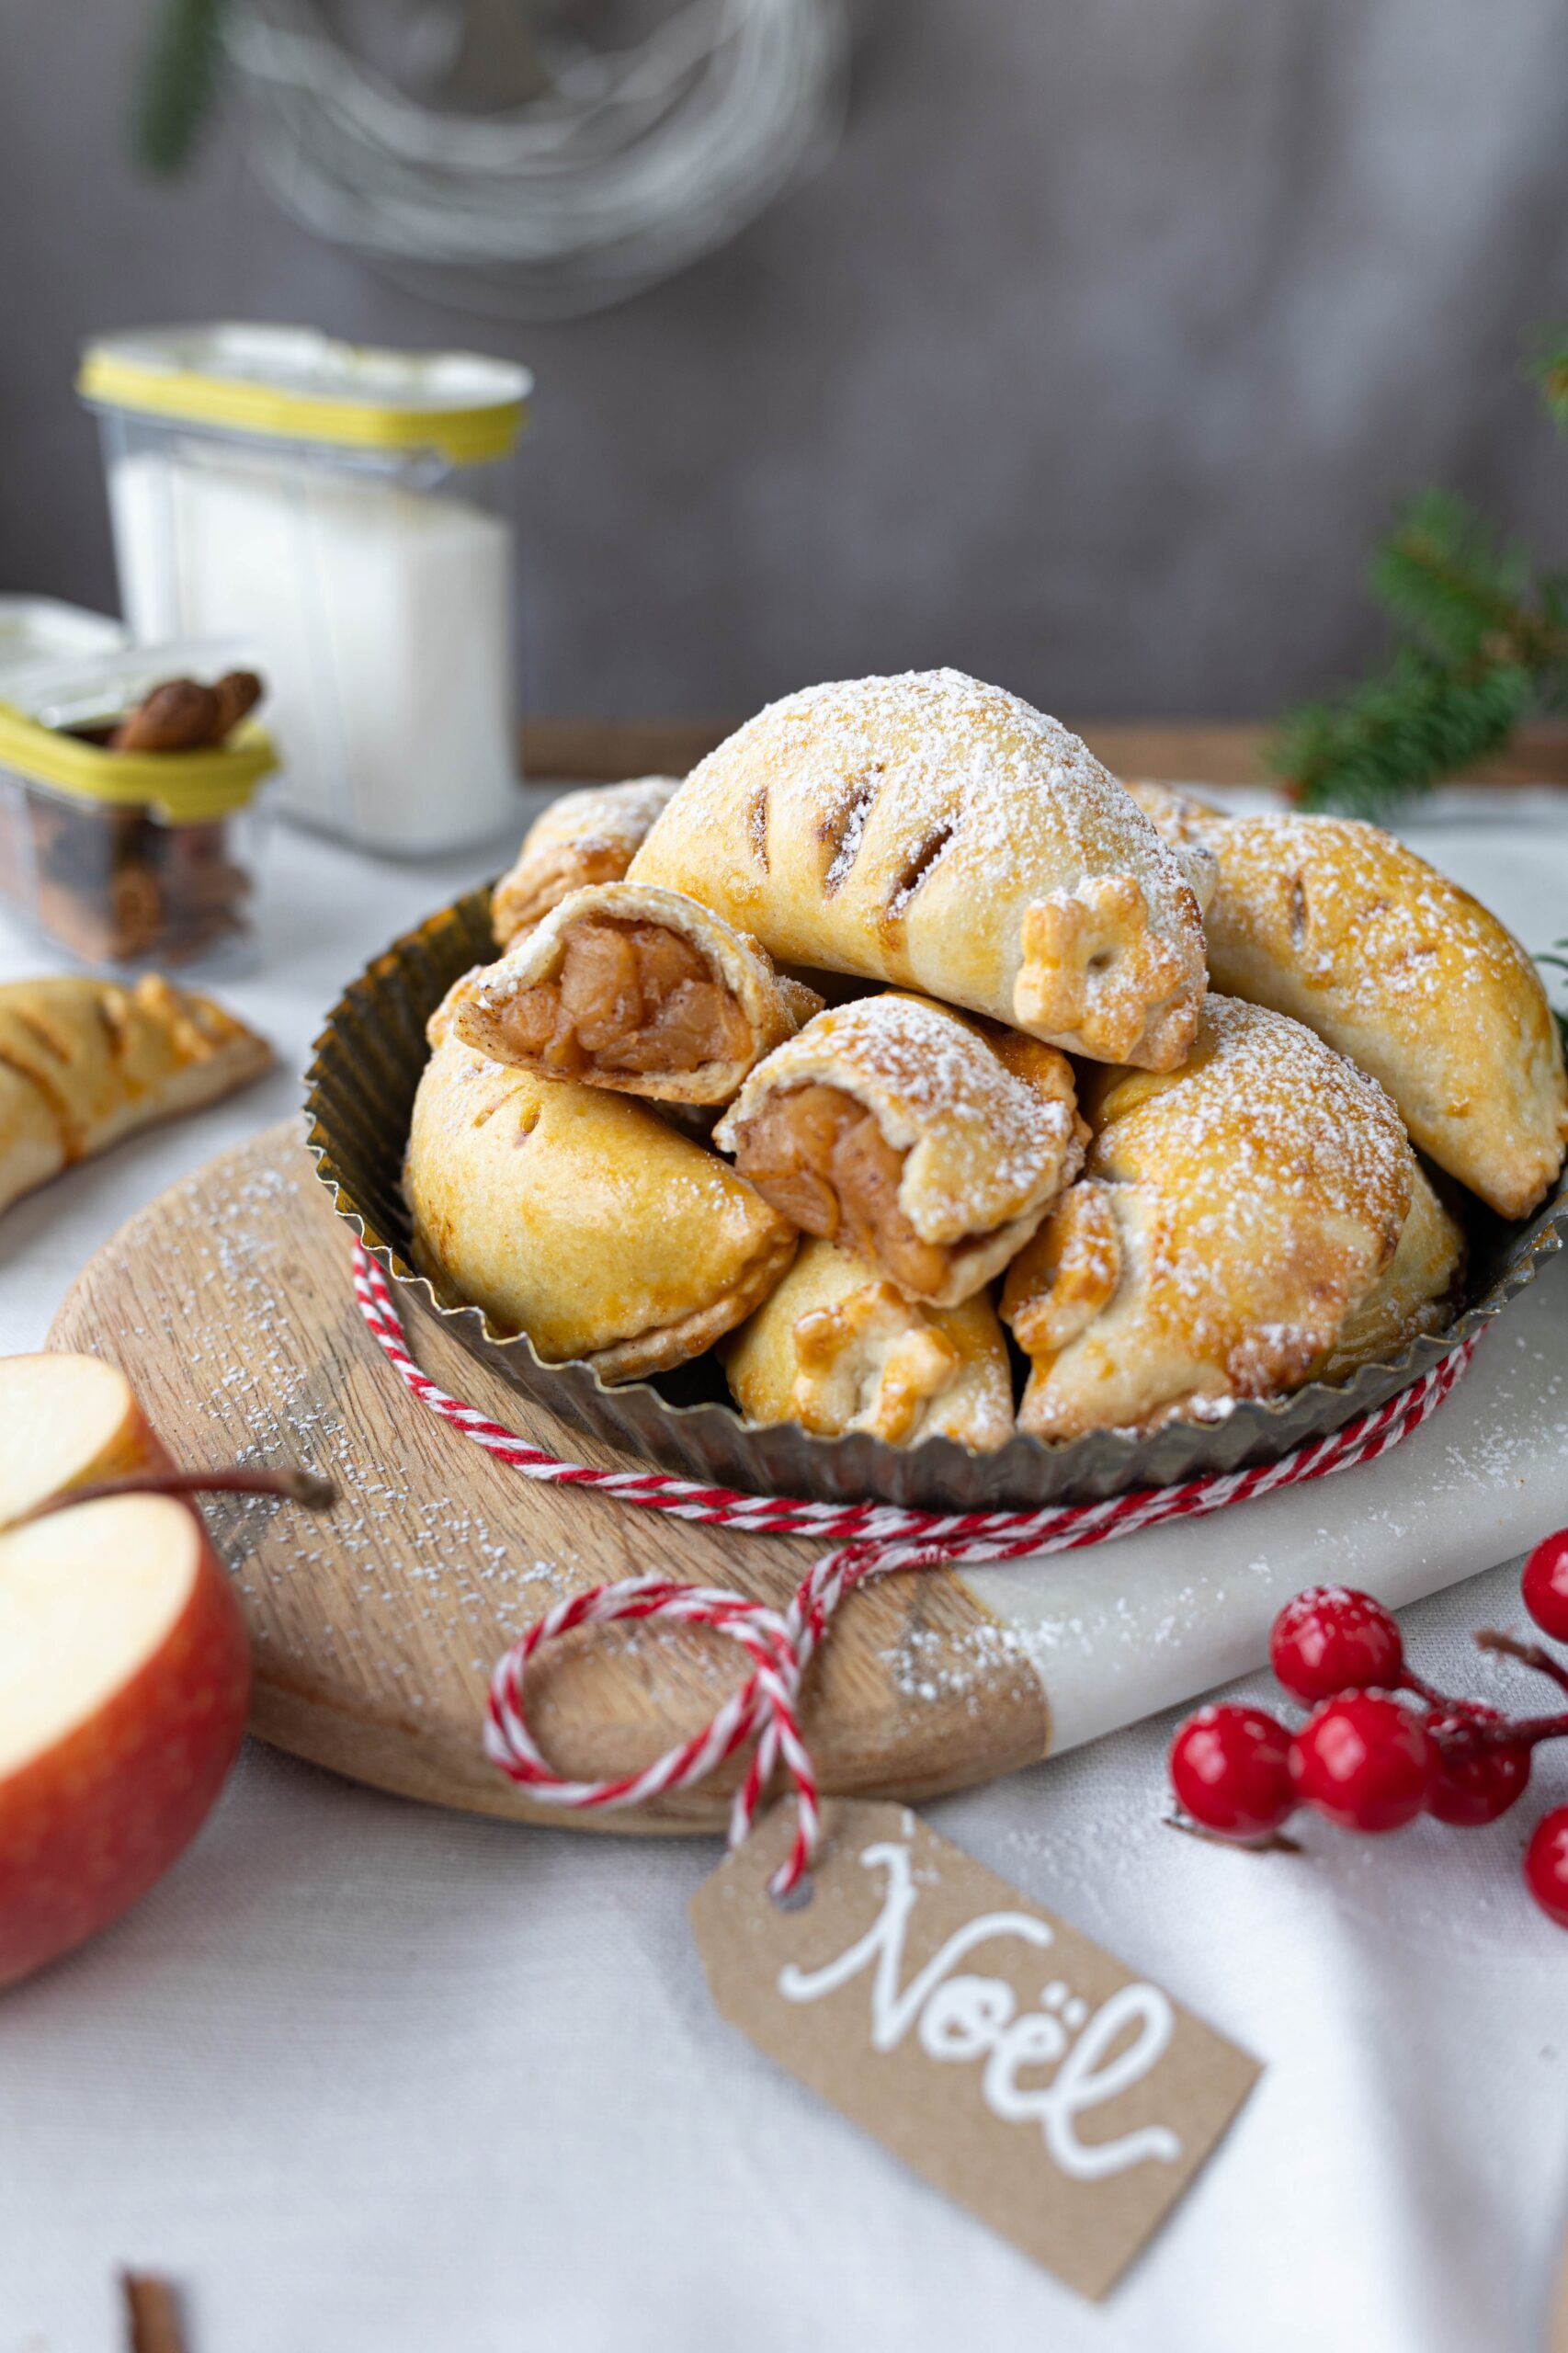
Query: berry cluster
{"points": [[1369, 1756]]}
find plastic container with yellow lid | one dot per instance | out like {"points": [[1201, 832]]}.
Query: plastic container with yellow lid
{"points": [[127, 858], [337, 507]]}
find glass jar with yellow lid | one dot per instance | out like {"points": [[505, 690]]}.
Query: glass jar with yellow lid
{"points": [[337, 507], [128, 805]]}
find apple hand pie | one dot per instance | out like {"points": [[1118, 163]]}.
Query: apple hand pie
{"points": [[942, 835], [581, 1218], [1178, 818], [584, 837], [1418, 1293], [636, 989], [1337, 923], [837, 1347], [893, 1125], [1232, 1216], [84, 1063]]}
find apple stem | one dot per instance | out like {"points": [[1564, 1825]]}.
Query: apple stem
{"points": [[290, 1485]]}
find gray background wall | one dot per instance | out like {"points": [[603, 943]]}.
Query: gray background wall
{"points": [[1090, 364]]}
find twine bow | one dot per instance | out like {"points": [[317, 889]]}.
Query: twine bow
{"points": [[869, 1540]]}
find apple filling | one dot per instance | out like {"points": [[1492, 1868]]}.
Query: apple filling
{"points": [[820, 1158], [626, 996]]}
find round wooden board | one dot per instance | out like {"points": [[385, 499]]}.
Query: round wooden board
{"points": [[228, 1303]]}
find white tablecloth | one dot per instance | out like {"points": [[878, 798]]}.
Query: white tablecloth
{"points": [[369, 2079]]}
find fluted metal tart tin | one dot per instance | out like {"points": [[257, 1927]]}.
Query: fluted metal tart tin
{"points": [[359, 1096]]}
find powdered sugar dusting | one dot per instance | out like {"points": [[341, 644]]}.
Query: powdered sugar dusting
{"points": [[1267, 1110], [955, 741], [607, 815], [990, 1140], [1262, 1190], [272, 1393], [1349, 875]]}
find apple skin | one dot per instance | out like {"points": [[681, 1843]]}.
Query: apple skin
{"points": [[88, 1825]]}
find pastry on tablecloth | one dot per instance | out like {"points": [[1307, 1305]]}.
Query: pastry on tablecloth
{"points": [[580, 1217], [838, 1347], [940, 835], [1231, 1218], [588, 836], [84, 1063], [634, 988], [894, 1124]]}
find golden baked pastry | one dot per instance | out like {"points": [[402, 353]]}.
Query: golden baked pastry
{"points": [[84, 1063], [894, 1124], [837, 1348], [941, 834], [1333, 921], [637, 989], [1175, 814], [581, 1218], [1417, 1294], [589, 836], [1178, 818], [1230, 1217]]}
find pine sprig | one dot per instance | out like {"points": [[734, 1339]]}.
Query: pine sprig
{"points": [[177, 85], [1549, 366], [1393, 735], [1447, 582], [1479, 639]]}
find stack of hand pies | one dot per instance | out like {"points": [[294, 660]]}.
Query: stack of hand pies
{"points": [[989, 1038]]}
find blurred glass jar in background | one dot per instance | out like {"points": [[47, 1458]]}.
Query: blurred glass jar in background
{"points": [[334, 506], [128, 857]]}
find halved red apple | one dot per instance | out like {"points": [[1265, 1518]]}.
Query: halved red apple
{"points": [[124, 1665], [64, 1421]]}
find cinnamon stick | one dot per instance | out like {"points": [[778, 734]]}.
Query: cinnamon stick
{"points": [[151, 2315]]}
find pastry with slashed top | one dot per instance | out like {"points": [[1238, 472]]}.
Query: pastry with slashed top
{"points": [[1231, 1218], [894, 1125], [942, 835], [1334, 921], [85, 1062], [837, 1348]]}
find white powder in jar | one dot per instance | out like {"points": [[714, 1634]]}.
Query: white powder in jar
{"points": [[382, 615]]}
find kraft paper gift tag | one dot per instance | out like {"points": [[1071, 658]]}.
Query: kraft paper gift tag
{"points": [[1017, 2066]]}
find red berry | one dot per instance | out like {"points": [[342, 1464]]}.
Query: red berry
{"points": [[1366, 1760], [1228, 1770], [1470, 1790], [1545, 1585], [1331, 1639], [1546, 1865]]}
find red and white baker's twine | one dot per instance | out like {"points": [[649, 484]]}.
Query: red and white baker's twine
{"points": [[870, 1539]]}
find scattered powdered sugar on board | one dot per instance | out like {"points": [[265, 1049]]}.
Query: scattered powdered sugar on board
{"points": [[968, 1664], [266, 1406]]}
